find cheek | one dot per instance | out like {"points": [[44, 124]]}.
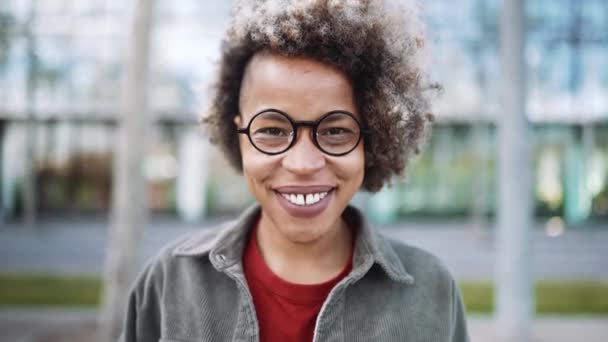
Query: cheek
{"points": [[257, 167], [352, 167], [249, 155], [359, 165], [247, 159]]}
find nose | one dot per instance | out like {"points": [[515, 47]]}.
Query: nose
{"points": [[303, 158]]}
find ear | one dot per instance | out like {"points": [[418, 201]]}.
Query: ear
{"points": [[237, 120]]}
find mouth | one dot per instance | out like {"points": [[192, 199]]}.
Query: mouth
{"points": [[304, 201]]}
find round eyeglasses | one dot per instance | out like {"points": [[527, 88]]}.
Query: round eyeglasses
{"points": [[272, 132]]}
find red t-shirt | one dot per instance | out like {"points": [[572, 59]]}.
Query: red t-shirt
{"points": [[285, 311]]}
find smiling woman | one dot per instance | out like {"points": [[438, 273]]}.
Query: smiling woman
{"points": [[315, 100], [309, 89]]}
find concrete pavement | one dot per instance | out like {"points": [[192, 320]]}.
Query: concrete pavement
{"points": [[78, 247]]}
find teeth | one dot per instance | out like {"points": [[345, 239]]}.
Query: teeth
{"points": [[304, 199]]}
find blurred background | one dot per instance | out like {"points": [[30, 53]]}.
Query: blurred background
{"points": [[61, 64]]}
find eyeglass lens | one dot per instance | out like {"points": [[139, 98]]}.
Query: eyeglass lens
{"points": [[273, 132]]}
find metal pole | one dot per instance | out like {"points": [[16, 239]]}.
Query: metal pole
{"points": [[514, 283]]}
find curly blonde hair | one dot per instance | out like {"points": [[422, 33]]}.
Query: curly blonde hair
{"points": [[377, 44]]}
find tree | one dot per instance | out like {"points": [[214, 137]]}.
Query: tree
{"points": [[129, 205], [29, 183]]}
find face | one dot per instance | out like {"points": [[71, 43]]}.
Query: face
{"points": [[305, 89]]}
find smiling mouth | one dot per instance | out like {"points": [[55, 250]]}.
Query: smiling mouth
{"points": [[304, 199], [304, 196]]}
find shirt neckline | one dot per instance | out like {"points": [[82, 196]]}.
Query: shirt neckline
{"points": [[296, 293]]}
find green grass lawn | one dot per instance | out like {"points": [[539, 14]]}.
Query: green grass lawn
{"points": [[42, 290], [572, 297], [577, 297]]}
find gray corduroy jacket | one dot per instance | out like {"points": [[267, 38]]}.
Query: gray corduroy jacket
{"points": [[195, 290]]}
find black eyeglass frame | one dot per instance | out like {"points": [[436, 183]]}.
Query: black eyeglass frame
{"points": [[314, 125]]}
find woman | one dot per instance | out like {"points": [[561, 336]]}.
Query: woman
{"points": [[315, 100]]}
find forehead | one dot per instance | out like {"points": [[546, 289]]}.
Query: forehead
{"points": [[303, 87]]}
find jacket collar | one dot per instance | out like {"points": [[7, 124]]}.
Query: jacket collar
{"points": [[225, 245]]}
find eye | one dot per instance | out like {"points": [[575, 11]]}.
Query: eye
{"points": [[335, 131], [272, 131]]}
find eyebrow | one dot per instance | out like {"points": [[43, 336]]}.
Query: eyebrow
{"points": [[278, 114], [334, 118], [322, 113], [274, 115]]}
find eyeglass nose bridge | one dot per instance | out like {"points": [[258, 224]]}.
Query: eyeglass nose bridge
{"points": [[313, 129], [297, 124], [312, 124]]}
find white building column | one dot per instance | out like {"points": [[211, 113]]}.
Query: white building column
{"points": [[191, 182], [514, 294], [13, 167]]}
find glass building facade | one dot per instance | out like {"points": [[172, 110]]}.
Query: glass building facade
{"points": [[60, 67]]}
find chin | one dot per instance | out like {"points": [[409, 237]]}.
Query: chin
{"points": [[305, 230], [300, 234]]}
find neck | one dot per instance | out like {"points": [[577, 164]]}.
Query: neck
{"points": [[310, 262]]}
